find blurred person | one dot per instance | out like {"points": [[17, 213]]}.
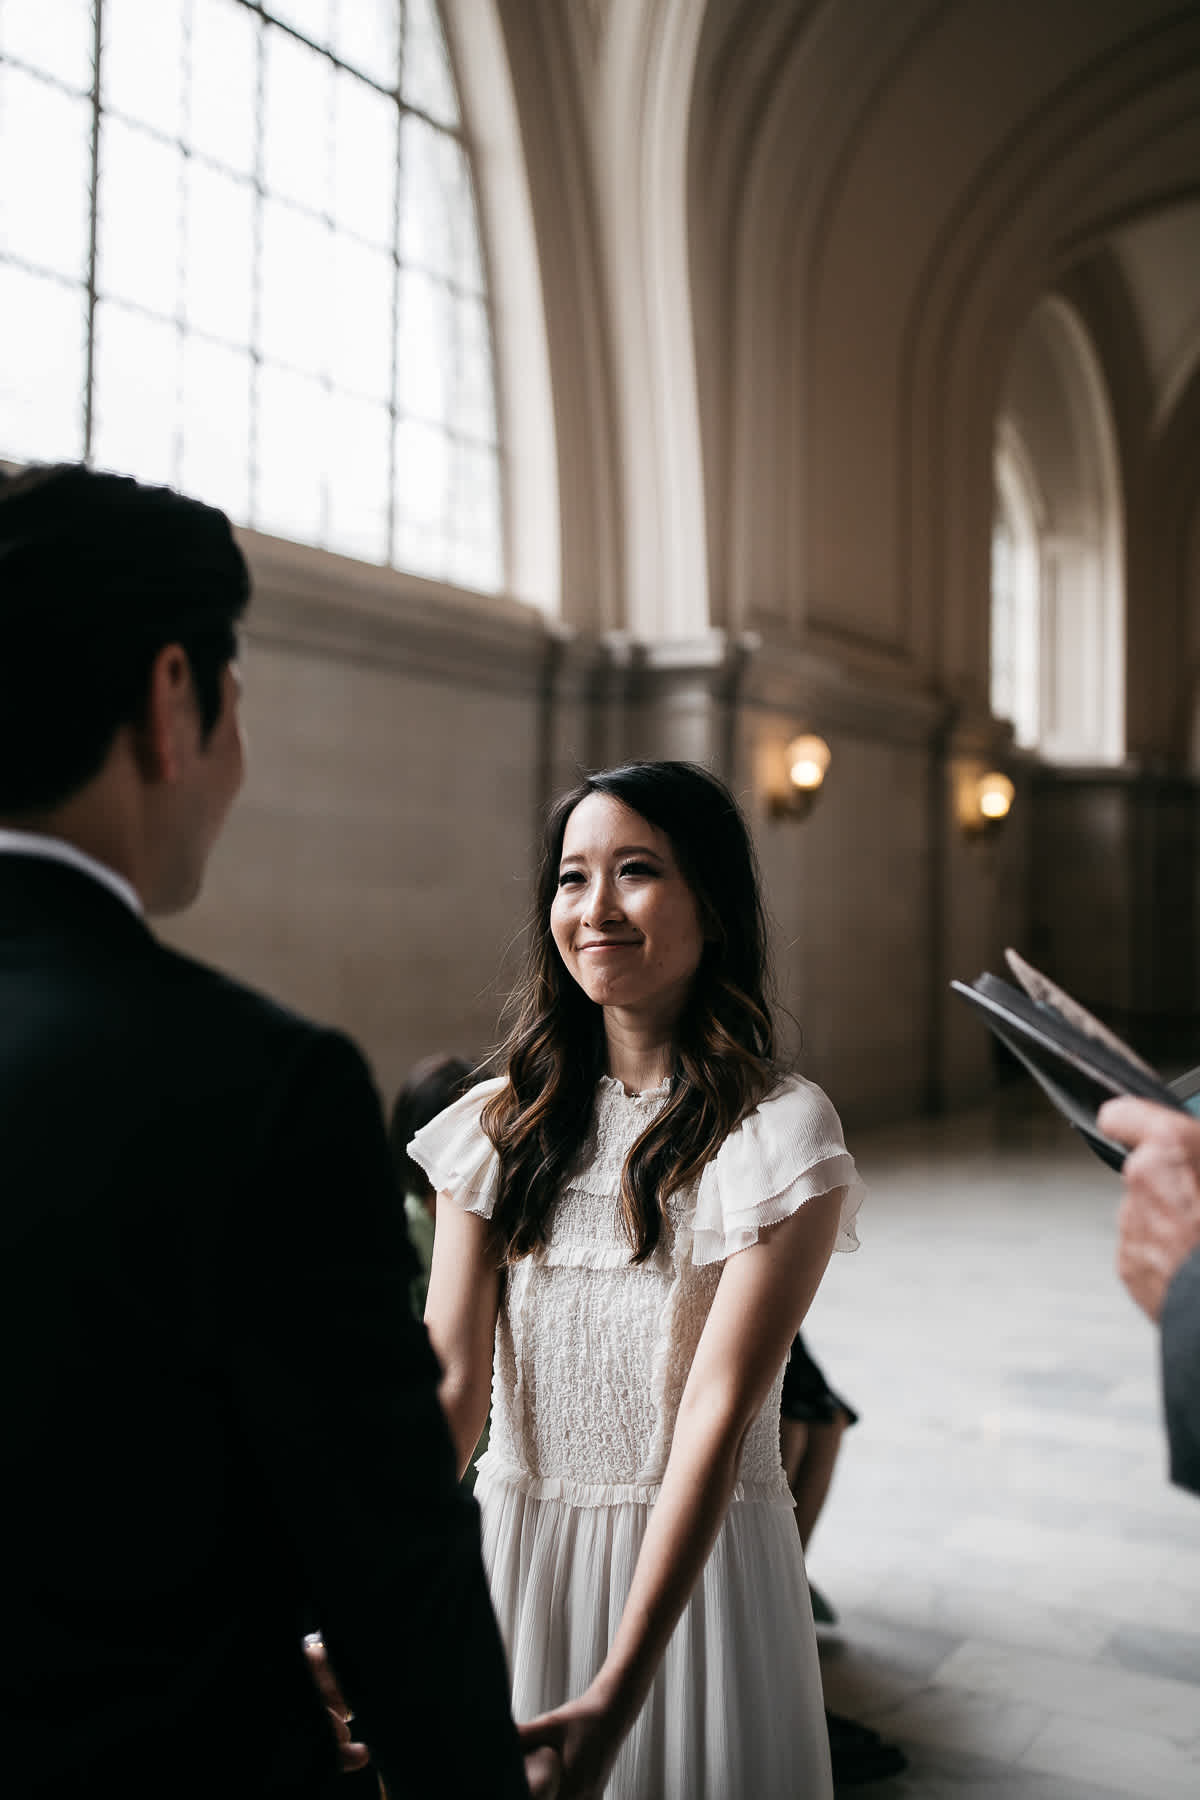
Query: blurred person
{"points": [[429, 1087], [220, 1419], [1158, 1256], [813, 1419], [632, 1221]]}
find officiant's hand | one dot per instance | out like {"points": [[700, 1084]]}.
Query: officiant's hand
{"points": [[353, 1755], [1159, 1221]]}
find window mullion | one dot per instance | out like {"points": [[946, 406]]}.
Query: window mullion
{"points": [[93, 234], [256, 272], [184, 223], [394, 393]]}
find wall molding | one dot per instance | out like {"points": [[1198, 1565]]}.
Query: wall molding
{"points": [[826, 692], [748, 671], [318, 604]]}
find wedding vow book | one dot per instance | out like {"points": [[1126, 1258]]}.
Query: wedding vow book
{"points": [[1077, 1061]]}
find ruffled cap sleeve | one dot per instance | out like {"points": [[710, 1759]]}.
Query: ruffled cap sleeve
{"points": [[789, 1149], [457, 1154]]}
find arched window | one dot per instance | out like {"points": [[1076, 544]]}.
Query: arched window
{"points": [[1016, 677], [1057, 568], [239, 254]]}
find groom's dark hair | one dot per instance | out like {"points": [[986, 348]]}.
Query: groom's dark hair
{"points": [[97, 574]]}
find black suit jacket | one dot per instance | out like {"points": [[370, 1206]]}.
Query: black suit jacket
{"points": [[1181, 1373], [220, 1425]]}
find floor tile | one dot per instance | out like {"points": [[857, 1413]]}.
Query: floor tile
{"points": [[1004, 1498], [1175, 1654], [955, 1720], [1133, 1762], [1077, 1689]]}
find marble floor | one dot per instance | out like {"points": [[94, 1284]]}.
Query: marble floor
{"points": [[1017, 1584]]}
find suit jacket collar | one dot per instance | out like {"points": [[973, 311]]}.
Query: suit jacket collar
{"points": [[56, 849], [56, 898]]}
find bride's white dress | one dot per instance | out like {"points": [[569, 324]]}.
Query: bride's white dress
{"points": [[592, 1355]]}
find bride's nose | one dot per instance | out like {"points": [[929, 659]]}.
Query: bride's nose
{"points": [[603, 905]]}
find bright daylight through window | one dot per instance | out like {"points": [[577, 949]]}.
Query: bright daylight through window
{"points": [[239, 254]]}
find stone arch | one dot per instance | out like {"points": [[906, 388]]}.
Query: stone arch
{"points": [[1113, 143], [640, 136], [768, 155], [522, 361], [549, 85], [867, 249], [604, 94]]}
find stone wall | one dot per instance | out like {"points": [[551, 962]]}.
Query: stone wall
{"points": [[1115, 900]]}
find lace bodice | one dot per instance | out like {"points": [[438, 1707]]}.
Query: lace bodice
{"points": [[593, 1353]]}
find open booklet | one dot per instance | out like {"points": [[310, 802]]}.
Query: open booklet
{"points": [[1078, 1061]]}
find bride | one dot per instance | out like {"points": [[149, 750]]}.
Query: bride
{"points": [[631, 1224]]}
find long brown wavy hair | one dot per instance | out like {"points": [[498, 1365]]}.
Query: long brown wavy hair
{"points": [[554, 1055]]}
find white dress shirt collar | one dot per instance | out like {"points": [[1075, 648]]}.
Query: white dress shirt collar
{"points": [[52, 849]]}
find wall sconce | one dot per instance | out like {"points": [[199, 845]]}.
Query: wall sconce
{"points": [[984, 802], [805, 762]]}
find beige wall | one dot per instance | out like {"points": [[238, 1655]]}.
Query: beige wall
{"points": [[849, 891], [373, 872]]}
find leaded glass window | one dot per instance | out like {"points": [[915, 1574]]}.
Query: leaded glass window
{"points": [[239, 254]]}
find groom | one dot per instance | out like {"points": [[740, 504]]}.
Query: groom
{"points": [[220, 1425]]}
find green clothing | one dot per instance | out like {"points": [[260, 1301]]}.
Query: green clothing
{"points": [[420, 1231]]}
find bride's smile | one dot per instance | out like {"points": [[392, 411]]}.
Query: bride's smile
{"points": [[624, 919]]}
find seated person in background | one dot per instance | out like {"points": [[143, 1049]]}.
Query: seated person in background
{"points": [[428, 1089], [1158, 1256], [812, 1421]]}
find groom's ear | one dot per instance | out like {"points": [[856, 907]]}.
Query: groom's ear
{"points": [[169, 732]]}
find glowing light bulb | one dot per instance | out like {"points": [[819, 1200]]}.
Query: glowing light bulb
{"points": [[808, 759], [995, 795]]}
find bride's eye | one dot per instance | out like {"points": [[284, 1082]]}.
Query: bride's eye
{"points": [[638, 868], [569, 877]]}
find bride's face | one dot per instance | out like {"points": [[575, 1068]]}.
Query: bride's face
{"points": [[624, 920]]}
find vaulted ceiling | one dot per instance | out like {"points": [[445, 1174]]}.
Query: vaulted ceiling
{"points": [[790, 249], [880, 195]]}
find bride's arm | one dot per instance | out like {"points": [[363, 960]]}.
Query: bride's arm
{"points": [[761, 1299], [460, 1315]]}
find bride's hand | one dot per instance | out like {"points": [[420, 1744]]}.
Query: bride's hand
{"points": [[585, 1737]]}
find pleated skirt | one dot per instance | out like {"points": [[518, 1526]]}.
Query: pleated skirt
{"points": [[736, 1710]]}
